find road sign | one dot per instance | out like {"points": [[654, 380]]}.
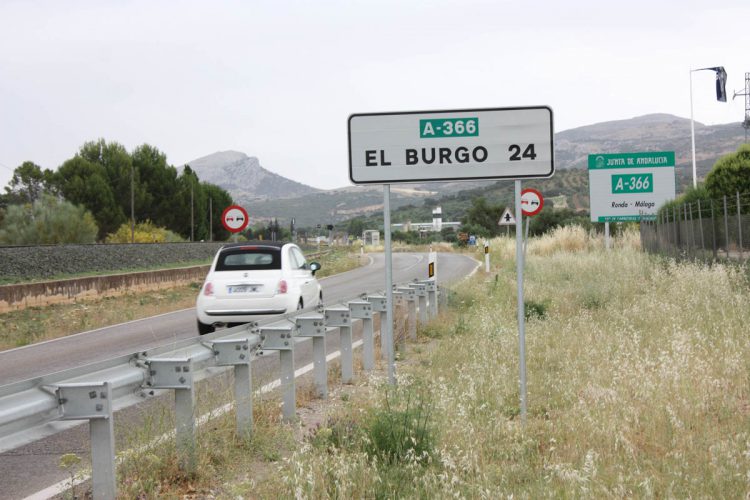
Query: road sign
{"points": [[234, 218], [532, 202], [500, 143], [630, 186], [507, 218]]}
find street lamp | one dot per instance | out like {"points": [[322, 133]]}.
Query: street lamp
{"points": [[721, 95]]}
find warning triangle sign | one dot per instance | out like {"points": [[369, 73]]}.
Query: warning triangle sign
{"points": [[507, 219]]}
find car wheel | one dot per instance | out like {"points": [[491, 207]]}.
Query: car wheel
{"points": [[204, 328]]}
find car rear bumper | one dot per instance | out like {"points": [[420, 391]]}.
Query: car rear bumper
{"points": [[243, 312], [211, 310]]}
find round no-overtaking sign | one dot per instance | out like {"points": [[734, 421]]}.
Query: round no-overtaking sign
{"points": [[532, 202], [234, 218]]}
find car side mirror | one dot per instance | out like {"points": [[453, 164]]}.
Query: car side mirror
{"points": [[314, 266]]}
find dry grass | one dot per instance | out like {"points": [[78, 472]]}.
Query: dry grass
{"points": [[36, 324], [639, 385]]}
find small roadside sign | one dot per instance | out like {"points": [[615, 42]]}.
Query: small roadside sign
{"points": [[507, 219], [234, 218], [532, 202]]}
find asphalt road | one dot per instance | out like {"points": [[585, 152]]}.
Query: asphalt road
{"points": [[31, 468]]}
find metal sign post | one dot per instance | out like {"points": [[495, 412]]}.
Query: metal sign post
{"points": [[487, 256], [388, 285], [521, 316], [532, 203]]}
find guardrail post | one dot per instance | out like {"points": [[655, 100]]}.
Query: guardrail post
{"points": [[399, 301], [314, 327], [431, 287], [177, 374], [93, 402], [238, 353], [339, 317], [280, 339], [420, 289], [380, 306], [411, 301], [361, 309]]}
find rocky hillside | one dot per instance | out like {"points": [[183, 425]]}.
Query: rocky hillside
{"points": [[245, 179]]}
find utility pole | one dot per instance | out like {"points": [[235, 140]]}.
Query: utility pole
{"points": [[746, 121], [132, 203], [210, 219], [192, 218]]}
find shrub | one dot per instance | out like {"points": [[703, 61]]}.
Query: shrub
{"points": [[49, 221], [400, 431], [145, 232]]}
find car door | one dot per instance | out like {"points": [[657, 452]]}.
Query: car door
{"points": [[303, 276]]}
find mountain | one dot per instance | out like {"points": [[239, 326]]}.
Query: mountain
{"points": [[267, 196], [655, 132], [244, 178]]}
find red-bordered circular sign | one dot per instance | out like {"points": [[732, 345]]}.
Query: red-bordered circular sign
{"points": [[532, 202], [234, 218]]}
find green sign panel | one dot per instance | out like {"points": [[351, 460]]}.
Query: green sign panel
{"points": [[630, 186], [449, 127], [631, 160], [633, 183]]}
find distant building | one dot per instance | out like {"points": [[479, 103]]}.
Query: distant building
{"points": [[436, 225]]}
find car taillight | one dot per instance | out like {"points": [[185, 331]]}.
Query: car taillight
{"points": [[208, 289], [282, 286]]}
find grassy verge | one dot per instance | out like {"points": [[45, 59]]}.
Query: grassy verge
{"points": [[36, 324], [639, 386]]}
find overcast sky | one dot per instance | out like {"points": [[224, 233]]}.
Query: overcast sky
{"points": [[278, 79]]}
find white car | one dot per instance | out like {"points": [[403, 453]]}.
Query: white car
{"points": [[256, 278]]}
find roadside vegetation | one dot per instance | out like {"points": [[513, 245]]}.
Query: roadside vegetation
{"points": [[36, 324], [638, 386]]}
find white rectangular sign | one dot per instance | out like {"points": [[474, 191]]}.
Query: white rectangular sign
{"points": [[630, 186], [501, 143]]}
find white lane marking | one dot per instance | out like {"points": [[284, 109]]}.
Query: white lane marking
{"points": [[93, 331], [62, 486]]}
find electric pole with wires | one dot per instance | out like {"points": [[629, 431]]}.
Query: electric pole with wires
{"points": [[746, 121]]}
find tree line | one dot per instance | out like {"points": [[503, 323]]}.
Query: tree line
{"points": [[107, 182]]}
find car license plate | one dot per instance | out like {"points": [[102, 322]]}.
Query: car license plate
{"points": [[242, 289]]}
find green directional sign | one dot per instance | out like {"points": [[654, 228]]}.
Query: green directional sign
{"points": [[633, 183], [630, 186]]}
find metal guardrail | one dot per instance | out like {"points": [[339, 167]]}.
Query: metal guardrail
{"points": [[93, 392]]}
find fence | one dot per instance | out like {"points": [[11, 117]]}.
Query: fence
{"points": [[92, 393], [706, 230]]}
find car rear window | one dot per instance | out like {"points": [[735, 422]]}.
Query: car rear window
{"points": [[249, 259]]}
